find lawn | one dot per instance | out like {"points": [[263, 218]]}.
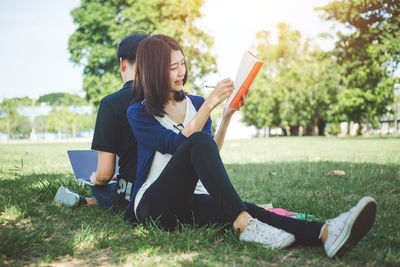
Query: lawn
{"points": [[290, 173]]}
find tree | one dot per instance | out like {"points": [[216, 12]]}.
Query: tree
{"points": [[264, 101], [321, 75], [64, 119], [369, 53], [12, 123], [297, 87], [61, 120], [260, 109], [102, 24]]}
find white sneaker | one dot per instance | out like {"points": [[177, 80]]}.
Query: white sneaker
{"points": [[267, 235], [66, 197], [348, 228]]}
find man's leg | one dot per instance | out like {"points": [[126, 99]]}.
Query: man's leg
{"points": [[102, 197], [68, 198]]}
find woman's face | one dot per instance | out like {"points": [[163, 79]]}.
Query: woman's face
{"points": [[177, 70]]}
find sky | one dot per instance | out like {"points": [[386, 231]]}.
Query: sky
{"points": [[35, 60]]}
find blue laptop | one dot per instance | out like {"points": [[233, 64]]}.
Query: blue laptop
{"points": [[84, 163]]}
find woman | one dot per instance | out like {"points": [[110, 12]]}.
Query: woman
{"points": [[177, 155]]}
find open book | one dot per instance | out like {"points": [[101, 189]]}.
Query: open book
{"points": [[248, 69]]}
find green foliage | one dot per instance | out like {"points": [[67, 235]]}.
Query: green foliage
{"points": [[304, 86], [298, 85], [103, 24], [65, 120], [11, 122], [369, 53], [334, 129], [62, 99], [261, 108], [65, 116]]}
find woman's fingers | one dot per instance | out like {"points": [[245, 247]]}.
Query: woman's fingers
{"points": [[227, 92], [225, 82], [242, 101], [222, 91]]}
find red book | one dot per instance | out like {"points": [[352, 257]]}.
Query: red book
{"points": [[247, 72]]}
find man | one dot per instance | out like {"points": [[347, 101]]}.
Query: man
{"points": [[113, 136]]}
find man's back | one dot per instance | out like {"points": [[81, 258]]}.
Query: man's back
{"points": [[113, 134]]}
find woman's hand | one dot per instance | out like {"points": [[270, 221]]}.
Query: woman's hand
{"points": [[226, 118], [222, 91], [228, 112]]}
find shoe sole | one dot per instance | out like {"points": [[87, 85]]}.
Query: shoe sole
{"points": [[357, 226], [282, 244], [65, 198]]}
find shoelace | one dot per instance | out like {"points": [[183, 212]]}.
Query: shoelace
{"points": [[338, 223]]}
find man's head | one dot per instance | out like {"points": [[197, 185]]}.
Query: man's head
{"points": [[126, 55]]}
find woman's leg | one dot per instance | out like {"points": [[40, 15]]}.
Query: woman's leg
{"points": [[170, 196], [205, 211], [305, 232], [338, 235]]}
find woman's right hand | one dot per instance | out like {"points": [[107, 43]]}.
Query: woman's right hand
{"points": [[222, 91]]}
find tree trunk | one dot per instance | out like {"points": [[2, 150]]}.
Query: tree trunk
{"points": [[315, 127], [59, 133], [8, 129], [348, 128], [321, 127], [359, 128], [301, 130], [265, 131], [73, 130], [388, 131], [287, 127]]}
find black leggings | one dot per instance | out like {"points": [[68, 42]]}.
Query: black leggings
{"points": [[171, 197]]}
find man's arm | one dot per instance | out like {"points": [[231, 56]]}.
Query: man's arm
{"points": [[105, 168], [105, 142]]}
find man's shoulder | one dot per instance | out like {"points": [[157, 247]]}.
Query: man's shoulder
{"points": [[123, 95]]}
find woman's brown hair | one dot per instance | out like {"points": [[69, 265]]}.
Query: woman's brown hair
{"points": [[152, 83]]}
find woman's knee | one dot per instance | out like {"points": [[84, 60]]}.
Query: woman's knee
{"points": [[201, 137]]}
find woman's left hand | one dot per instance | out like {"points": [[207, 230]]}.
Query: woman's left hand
{"points": [[228, 112]]}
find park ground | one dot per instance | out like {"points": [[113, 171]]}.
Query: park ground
{"points": [[290, 172]]}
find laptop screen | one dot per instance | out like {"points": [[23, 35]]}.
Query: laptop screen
{"points": [[84, 163]]}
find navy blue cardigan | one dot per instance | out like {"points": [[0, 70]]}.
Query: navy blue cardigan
{"points": [[151, 136]]}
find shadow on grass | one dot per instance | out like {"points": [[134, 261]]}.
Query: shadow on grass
{"points": [[33, 229]]}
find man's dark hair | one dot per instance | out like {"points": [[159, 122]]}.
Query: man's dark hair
{"points": [[152, 82], [127, 48]]}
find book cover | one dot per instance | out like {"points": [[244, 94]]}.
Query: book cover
{"points": [[248, 69], [282, 212]]}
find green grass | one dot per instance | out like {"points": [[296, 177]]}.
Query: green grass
{"points": [[291, 173]]}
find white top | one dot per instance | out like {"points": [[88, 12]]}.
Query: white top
{"points": [[161, 160]]}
